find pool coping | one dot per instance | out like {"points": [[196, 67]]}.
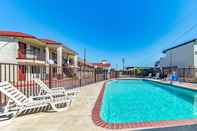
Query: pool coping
{"points": [[133, 125]]}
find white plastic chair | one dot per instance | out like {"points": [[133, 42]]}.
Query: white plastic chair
{"points": [[70, 93], [18, 103]]}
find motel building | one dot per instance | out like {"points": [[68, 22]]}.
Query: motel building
{"points": [[93, 72], [103, 66], [86, 71], [17, 50], [182, 56]]}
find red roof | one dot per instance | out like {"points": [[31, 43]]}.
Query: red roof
{"points": [[15, 34], [51, 42], [102, 65]]}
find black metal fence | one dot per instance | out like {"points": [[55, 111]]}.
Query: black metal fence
{"points": [[22, 75], [131, 73], [183, 74]]}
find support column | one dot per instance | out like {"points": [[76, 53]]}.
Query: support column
{"points": [[76, 61], [47, 58], [59, 60], [46, 54], [68, 60]]}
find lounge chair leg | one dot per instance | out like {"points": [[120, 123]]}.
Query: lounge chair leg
{"points": [[53, 105]]}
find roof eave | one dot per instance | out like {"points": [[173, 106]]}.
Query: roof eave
{"points": [[185, 43]]}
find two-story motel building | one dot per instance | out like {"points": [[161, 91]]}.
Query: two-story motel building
{"points": [[20, 48]]}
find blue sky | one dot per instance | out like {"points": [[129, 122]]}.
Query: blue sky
{"points": [[137, 30]]}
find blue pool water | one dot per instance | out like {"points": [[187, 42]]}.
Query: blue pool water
{"points": [[145, 101]]}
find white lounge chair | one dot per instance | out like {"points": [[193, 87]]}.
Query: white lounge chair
{"points": [[70, 93], [18, 103], [73, 91], [149, 75], [157, 76]]}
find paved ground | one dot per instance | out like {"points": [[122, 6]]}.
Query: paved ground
{"points": [[76, 118]]}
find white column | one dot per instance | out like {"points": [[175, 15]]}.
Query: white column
{"points": [[68, 60], [47, 54], [59, 56], [59, 59], [47, 58], [76, 61]]}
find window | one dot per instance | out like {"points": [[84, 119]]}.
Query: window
{"points": [[34, 52]]}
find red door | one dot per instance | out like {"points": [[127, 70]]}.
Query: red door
{"points": [[21, 73], [21, 50]]}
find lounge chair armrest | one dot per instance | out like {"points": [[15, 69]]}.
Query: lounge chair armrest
{"points": [[39, 97]]}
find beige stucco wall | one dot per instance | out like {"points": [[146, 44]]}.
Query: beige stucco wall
{"points": [[182, 56], [8, 54], [8, 50]]}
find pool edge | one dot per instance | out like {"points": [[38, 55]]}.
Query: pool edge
{"points": [[133, 125]]}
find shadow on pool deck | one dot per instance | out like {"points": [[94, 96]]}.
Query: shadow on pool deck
{"points": [[178, 128]]}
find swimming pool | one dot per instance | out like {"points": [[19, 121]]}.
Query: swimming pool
{"points": [[144, 101]]}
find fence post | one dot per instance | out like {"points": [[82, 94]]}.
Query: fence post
{"points": [[95, 75], [184, 74], [50, 76], [103, 74], [80, 76]]}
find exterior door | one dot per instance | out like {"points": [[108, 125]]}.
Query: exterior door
{"points": [[21, 50], [22, 73]]}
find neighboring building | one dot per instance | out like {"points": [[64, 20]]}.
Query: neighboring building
{"points": [[103, 65], [138, 71], [136, 67], [180, 56], [157, 64], [23, 49], [102, 69], [88, 69], [85, 64]]}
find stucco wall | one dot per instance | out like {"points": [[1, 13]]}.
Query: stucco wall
{"points": [[182, 57], [8, 54], [195, 56], [8, 50]]}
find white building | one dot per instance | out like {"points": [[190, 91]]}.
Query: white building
{"points": [[181, 56]]}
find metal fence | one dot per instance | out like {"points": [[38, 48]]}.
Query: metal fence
{"points": [[22, 75], [183, 74], [130, 73]]}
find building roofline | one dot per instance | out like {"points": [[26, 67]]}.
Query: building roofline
{"points": [[24, 35], [139, 67], [16, 34], [52, 42], [70, 49], [182, 44]]}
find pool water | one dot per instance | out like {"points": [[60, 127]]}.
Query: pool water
{"points": [[146, 101]]}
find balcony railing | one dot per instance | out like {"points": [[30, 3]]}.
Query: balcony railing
{"points": [[29, 55]]}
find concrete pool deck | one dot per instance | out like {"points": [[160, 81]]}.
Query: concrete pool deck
{"points": [[77, 118]]}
